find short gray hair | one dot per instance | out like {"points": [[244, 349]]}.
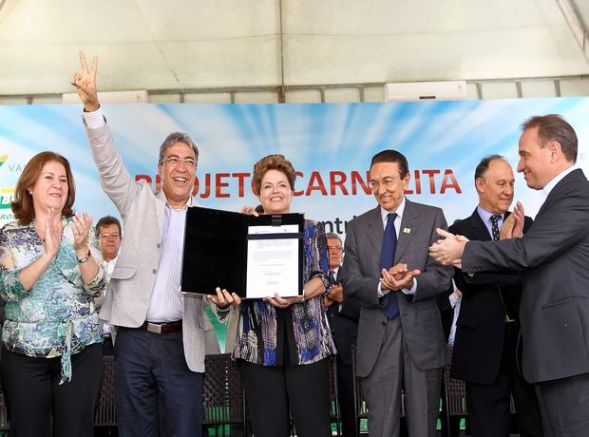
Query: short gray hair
{"points": [[177, 137], [329, 235]]}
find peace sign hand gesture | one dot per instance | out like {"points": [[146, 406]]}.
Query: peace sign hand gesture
{"points": [[85, 83]]}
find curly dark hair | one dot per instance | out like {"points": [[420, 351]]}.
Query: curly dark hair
{"points": [[273, 162]]}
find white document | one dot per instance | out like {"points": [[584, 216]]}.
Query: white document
{"points": [[272, 264]]}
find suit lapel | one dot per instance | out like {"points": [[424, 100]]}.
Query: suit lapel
{"points": [[160, 207], [554, 194], [375, 232], [408, 224], [478, 228]]}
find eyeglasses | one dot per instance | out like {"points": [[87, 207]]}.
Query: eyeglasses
{"points": [[334, 248], [113, 235], [388, 183], [174, 161]]}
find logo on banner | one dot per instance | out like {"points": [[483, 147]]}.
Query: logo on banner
{"points": [[13, 168], [6, 197], [7, 193]]}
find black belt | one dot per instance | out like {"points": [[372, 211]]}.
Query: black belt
{"points": [[162, 328]]}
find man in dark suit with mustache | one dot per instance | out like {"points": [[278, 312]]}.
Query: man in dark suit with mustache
{"points": [[488, 324]]}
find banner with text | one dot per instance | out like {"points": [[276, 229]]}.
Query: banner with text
{"points": [[330, 145]]}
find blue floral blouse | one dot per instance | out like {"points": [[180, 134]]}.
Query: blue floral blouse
{"points": [[259, 340], [56, 317]]}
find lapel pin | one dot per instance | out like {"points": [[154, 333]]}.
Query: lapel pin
{"points": [[406, 230]]}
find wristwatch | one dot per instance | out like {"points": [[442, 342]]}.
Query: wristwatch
{"points": [[85, 259]]}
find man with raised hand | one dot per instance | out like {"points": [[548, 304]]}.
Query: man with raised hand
{"points": [[160, 347]]}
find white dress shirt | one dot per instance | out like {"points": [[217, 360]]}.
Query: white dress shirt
{"points": [[166, 303], [109, 266]]}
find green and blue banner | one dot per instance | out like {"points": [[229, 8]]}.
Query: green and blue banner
{"points": [[330, 145]]}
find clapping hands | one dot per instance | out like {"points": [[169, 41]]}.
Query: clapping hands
{"points": [[52, 232], [397, 277], [81, 225], [513, 225]]}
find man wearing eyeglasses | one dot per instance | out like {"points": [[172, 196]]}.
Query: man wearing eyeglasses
{"points": [[108, 231], [160, 346], [109, 234], [401, 344], [343, 314]]}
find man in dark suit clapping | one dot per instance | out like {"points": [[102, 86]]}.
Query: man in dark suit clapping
{"points": [[488, 325], [401, 344]]}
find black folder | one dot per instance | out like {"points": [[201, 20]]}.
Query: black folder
{"points": [[216, 248]]}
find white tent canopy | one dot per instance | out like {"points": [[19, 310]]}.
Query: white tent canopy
{"points": [[188, 44]]}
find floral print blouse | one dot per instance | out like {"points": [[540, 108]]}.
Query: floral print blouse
{"points": [[56, 317], [260, 340]]}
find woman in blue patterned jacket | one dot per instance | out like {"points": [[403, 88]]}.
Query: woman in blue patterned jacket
{"points": [[52, 357], [283, 343]]}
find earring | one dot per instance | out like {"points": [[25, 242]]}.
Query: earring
{"points": [[30, 192]]}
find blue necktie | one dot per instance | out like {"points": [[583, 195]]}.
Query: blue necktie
{"points": [[495, 226], [387, 256]]}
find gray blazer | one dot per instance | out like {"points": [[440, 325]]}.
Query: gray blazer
{"points": [[554, 258], [131, 283], [420, 318]]}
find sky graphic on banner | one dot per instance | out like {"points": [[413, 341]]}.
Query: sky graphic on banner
{"points": [[329, 144]]}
